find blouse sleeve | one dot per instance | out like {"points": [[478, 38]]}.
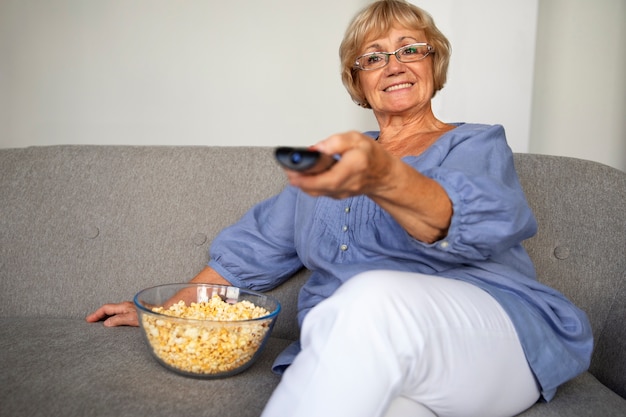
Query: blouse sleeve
{"points": [[490, 211], [258, 251]]}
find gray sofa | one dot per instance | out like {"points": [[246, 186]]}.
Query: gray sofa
{"points": [[85, 225]]}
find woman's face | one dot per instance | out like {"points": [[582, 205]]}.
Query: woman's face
{"points": [[399, 87]]}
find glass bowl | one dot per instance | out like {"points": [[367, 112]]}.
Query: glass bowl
{"points": [[219, 335]]}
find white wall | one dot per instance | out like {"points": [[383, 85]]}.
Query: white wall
{"points": [[491, 70], [172, 72], [167, 72], [579, 106]]}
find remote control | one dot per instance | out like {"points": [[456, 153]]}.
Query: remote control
{"points": [[305, 160]]}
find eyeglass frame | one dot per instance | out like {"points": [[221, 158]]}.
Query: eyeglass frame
{"points": [[395, 53]]}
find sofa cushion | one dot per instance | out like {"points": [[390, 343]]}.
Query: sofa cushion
{"points": [[583, 396], [71, 368], [60, 367]]}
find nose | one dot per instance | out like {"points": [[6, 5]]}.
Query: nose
{"points": [[394, 65]]}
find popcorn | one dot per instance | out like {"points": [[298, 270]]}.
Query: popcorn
{"points": [[218, 342]]}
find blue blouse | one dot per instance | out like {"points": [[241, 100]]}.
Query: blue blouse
{"points": [[337, 239]]}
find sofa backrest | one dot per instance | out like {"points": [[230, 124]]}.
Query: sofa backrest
{"points": [[580, 248], [85, 225]]}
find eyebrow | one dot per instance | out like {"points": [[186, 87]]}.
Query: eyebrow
{"points": [[378, 47]]}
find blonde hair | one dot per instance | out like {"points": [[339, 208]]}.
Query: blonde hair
{"points": [[377, 19]]}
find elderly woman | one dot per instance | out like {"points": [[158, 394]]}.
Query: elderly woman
{"points": [[422, 300]]}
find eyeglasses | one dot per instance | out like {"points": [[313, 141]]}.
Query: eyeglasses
{"points": [[408, 53]]}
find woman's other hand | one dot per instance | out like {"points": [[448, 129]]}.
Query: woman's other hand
{"points": [[120, 314], [125, 313]]}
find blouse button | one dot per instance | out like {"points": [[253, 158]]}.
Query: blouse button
{"points": [[344, 248], [347, 209], [344, 228], [444, 244]]}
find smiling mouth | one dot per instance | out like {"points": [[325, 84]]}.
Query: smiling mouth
{"points": [[398, 87]]}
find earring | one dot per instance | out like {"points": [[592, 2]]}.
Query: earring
{"points": [[363, 103]]}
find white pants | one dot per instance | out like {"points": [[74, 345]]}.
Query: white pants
{"points": [[391, 343]]}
